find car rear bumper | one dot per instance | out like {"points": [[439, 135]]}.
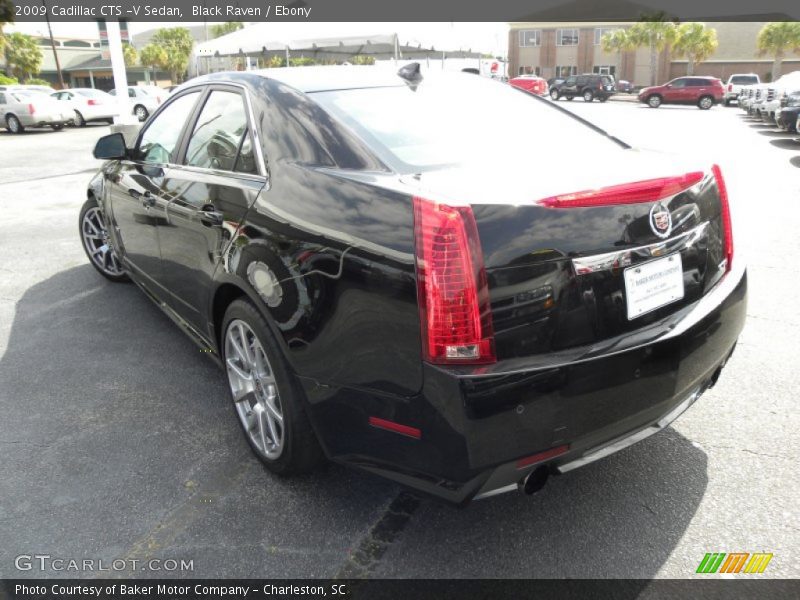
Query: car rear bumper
{"points": [[479, 434]]}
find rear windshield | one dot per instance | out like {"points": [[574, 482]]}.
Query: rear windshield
{"points": [[456, 119], [91, 93], [744, 79]]}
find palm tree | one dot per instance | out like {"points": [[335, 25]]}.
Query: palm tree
{"points": [[776, 39], [618, 42], [696, 42], [657, 34]]}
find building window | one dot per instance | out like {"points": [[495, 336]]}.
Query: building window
{"points": [[566, 37], [530, 37], [599, 33], [526, 70], [604, 70], [566, 70]]}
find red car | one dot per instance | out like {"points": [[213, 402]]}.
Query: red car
{"points": [[705, 92], [531, 83]]}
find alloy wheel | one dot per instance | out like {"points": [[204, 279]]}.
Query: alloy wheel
{"points": [[705, 103], [13, 124], [141, 113], [654, 101], [254, 389], [97, 243]]}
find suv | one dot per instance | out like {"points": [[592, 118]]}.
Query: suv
{"points": [[587, 86], [735, 83], [787, 115], [705, 92]]}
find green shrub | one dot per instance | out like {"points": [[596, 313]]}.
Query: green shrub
{"points": [[7, 80], [37, 81]]}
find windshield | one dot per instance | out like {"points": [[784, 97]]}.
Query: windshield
{"points": [[456, 119]]}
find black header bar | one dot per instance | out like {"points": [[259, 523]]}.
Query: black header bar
{"points": [[407, 10]]}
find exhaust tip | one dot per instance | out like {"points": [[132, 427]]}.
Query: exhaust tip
{"points": [[534, 481]]}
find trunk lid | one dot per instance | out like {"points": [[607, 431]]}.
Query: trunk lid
{"points": [[561, 277]]}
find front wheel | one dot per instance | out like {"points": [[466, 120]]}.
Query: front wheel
{"points": [[97, 244], [554, 94], [705, 102], [654, 101], [13, 124], [140, 112], [267, 399], [588, 96]]}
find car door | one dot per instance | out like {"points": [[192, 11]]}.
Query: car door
{"points": [[675, 91], [698, 87], [137, 188], [568, 87], [210, 192]]}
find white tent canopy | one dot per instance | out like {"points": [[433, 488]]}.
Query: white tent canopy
{"points": [[384, 40]]}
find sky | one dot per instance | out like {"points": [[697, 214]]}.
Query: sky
{"points": [[480, 37]]}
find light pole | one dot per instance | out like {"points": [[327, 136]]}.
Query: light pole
{"points": [[53, 46]]}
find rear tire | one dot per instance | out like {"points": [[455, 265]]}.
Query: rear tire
{"points": [[654, 101], [266, 397], [705, 102], [13, 124], [79, 120], [57, 126]]}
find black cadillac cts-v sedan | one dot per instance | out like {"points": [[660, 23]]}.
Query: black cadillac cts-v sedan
{"points": [[398, 274]]}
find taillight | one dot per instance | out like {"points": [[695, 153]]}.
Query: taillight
{"points": [[649, 190], [727, 226], [452, 288], [92, 102], [31, 109]]}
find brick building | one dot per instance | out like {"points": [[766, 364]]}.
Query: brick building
{"points": [[557, 49]]}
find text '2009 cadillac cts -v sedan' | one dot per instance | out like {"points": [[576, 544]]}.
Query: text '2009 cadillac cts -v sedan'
{"points": [[393, 282]]}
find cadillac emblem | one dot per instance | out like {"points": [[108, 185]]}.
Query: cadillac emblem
{"points": [[660, 220]]}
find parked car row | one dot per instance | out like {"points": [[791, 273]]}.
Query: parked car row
{"points": [[775, 103], [29, 106]]}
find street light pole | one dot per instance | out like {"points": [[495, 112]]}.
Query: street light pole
{"points": [[53, 46]]}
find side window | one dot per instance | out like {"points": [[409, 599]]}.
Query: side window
{"points": [[570, 81], [221, 139], [679, 83], [2, 98], [131, 93], [159, 142]]}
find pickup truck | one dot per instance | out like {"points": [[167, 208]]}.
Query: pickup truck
{"points": [[734, 85]]}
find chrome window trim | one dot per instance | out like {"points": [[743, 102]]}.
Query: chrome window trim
{"points": [[253, 127]]}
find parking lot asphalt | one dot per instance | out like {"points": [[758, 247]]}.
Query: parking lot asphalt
{"points": [[117, 439]]}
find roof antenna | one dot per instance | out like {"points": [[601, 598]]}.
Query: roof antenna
{"points": [[411, 73]]}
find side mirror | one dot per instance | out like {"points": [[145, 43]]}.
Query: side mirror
{"points": [[111, 147], [669, 85]]}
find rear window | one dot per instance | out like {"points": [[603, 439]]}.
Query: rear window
{"points": [[456, 119], [744, 79], [91, 93]]}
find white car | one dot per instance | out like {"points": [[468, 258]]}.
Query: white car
{"points": [[735, 83], [776, 91], [88, 105], [21, 108], [143, 100], [757, 99]]}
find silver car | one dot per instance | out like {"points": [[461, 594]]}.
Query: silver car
{"points": [[21, 108]]}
